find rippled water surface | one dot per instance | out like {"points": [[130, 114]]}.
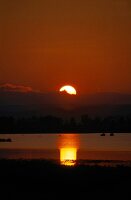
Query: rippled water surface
{"points": [[79, 147]]}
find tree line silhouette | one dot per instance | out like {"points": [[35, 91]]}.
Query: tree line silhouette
{"points": [[53, 124]]}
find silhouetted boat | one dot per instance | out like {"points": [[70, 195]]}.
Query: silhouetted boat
{"points": [[103, 134], [111, 134], [5, 140]]}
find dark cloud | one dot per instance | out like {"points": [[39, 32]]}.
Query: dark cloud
{"points": [[15, 88]]}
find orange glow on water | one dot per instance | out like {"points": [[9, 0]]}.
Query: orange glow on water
{"points": [[68, 156], [68, 145]]}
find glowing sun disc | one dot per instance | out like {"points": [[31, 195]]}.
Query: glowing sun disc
{"points": [[69, 89]]}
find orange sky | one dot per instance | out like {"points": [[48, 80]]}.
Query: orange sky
{"points": [[45, 44]]}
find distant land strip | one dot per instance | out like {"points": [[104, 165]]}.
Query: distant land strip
{"points": [[53, 124]]}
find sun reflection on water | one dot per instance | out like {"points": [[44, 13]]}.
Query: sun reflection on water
{"points": [[68, 156], [68, 145]]}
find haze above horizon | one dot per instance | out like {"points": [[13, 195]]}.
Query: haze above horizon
{"points": [[47, 44]]}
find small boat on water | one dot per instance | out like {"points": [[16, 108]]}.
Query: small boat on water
{"points": [[5, 140], [102, 134]]}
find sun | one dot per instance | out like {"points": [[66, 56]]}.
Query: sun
{"points": [[69, 89]]}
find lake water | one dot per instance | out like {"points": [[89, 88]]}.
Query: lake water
{"points": [[68, 147]]}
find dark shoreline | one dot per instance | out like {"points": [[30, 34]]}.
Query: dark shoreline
{"points": [[46, 179], [67, 132]]}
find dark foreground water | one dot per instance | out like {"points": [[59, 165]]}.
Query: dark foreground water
{"points": [[44, 179]]}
